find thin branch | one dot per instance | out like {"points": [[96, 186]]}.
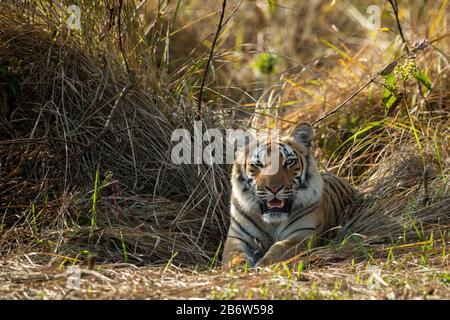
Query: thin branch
{"points": [[119, 27], [372, 79], [394, 6], [111, 114], [233, 12], [211, 53], [417, 46]]}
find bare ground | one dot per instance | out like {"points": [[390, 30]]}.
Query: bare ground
{"points": [[417, 274]]}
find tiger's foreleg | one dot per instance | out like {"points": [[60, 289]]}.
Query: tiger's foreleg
{"points": [[284, 249], [235, 253]]}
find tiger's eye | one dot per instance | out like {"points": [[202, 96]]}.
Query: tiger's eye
{"points": [[290, 162]]}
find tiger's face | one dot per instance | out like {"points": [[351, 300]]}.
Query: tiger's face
{"points": [[278, 173]]}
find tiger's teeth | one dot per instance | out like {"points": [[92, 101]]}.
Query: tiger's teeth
{"points": [[275, 203]]}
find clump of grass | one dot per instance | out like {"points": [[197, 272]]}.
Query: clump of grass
{"points": [[78, 111]]}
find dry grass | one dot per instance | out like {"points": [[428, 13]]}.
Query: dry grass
{"points": [[85, 170], [51, 153], [329, 277]]}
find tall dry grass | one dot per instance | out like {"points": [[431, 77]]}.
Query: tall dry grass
{"points": [[54, 142], [85, 146]]}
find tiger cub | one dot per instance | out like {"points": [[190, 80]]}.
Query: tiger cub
{"points": [[280, 200]]}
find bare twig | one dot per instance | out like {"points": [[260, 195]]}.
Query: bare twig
{"points": [[425, 181], [211, 53], [234, 11], [354, 94], [111, 114], [119, 28], [418, 45], [394, 6]]}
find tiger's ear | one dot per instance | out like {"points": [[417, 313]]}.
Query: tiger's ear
{"points": [[303, 133]]}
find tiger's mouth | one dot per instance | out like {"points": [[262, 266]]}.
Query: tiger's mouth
{"points": [[275, 206], [275, 203]]}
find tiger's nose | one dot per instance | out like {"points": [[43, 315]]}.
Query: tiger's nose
{"points": [[274, 188]]}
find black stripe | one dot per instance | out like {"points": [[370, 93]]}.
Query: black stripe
{"points": [[302, 183], [338, 192], [304, 213], [336, 206], [243, 240], [242, 228], [303, 164], [331, 186], [286, 153], [283, 149], [352, 191], [348, 188], [325, 175], [341, 186], [326, 207], [307, 168], [232, 228], [239, 209], [330, 200], [297, 230], [346, 196]]}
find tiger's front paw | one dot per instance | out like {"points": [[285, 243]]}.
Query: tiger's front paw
{"points": [[264, 262], [280, 251], [239, 261], [270, 258]]}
